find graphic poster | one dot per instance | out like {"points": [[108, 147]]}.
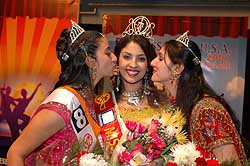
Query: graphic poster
{"points": [[28, 64]]}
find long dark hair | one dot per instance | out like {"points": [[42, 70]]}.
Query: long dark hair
{"points": [[149, 51], [192, 85], [74, 70]]}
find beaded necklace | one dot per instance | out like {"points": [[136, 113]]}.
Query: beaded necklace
{"points": [[133, 98]]}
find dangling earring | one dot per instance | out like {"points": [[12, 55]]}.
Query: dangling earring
{"points": [[175, 77], [146, 83], [117, 82], [93, 74]]}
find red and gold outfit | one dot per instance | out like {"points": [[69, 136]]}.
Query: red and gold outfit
{"points": [[211, 126]]}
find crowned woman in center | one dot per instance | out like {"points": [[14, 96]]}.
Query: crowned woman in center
{"points": [[141, 105], [136, 95]]}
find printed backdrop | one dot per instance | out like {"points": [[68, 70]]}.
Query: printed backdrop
{"points": [[28, 64], [222, 40]]}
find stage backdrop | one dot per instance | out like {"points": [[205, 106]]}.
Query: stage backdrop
{"points": [[28, 64], [222, 40]]}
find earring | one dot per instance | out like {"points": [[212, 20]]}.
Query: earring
{"points": [[146, 83], [118, 82], [93, 73], [175, 76]]}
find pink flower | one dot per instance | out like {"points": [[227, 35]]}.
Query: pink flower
{"points": [[136, 135], [153, 154], [131, 125], [153, 126], [141, 128], [136, 149], [158, 141], [124, 157]]}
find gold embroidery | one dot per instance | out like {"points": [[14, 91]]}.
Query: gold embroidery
{"points": [[138, 114], [101, 100], [211, 126]]}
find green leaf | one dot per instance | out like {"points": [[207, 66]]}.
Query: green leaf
{"points": [[165, 151], [132, 145]]}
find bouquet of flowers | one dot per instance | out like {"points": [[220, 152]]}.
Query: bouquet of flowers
{"points": [[78, 156], [161, 142], [191, 155], [91, 159]]}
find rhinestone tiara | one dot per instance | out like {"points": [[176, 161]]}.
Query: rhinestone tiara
{"points": [[185, 40], [75, 32], [139, 26]]}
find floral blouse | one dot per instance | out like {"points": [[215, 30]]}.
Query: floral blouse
{"points": [[211, 126]]}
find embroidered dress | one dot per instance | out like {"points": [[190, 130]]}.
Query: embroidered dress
{"points": [[137, 114], [211, 126], [74, 112]]}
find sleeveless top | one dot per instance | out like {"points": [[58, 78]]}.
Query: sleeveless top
{"points": [[71, 107]]}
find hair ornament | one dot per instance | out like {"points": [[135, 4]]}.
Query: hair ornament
{"points": [[185, 40], [139, 26], [85, 52], [76, 31], [65, 57]]}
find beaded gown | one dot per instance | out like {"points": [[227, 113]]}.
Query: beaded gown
{"points": [[211, 126]]}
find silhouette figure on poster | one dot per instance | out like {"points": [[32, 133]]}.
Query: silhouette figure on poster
{"points": [[19, 105], [6, 102]]}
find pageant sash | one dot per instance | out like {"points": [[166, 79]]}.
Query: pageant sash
{"points": [[107, 116], [83, 123]]}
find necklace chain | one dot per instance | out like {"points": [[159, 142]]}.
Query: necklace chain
{"points": [[133, 98]]}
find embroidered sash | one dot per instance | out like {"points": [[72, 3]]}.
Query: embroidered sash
{"points": [[107, 116]]}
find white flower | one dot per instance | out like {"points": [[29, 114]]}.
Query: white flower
{"points": [[185, 154], [91, 159], [171, 130]]}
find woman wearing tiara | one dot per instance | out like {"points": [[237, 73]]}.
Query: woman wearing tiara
{"points": [[211, 122], [67, 114], [135, 92]]}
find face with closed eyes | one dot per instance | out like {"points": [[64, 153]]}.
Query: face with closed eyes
{"points": [[132, 64], [162, 67], [105, 59]]}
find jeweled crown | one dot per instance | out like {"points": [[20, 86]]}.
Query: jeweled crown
{"points": [[139, 26], [185, 40], [75, 32]]}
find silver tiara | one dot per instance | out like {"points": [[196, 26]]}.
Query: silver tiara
{"points": [[76, 31], [139, 26], [185, 40]]}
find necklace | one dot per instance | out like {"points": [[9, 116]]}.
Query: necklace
{"points": [[87, 96], [133, 98], [84, 91]]}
